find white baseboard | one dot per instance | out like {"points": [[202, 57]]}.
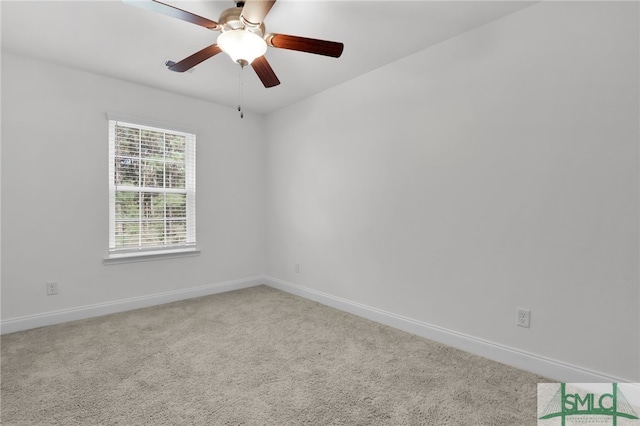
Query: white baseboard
{"points": [[546, 367], [82, 312]]}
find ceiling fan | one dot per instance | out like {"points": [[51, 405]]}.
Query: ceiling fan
{"points": [[242, 37]]}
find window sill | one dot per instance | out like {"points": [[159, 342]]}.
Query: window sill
{"points": [[146, 256]]}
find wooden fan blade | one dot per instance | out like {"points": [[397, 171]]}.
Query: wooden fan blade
{"points": [[174, 12], [265, 72], [254, 11], [196, 58], [303, 44]]}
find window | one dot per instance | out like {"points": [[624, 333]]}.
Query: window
{"points": [[152, 190]]}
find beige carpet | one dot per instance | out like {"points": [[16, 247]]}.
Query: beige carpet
{"points": [[257, 356]]}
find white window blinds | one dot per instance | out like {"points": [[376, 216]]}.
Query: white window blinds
{"points": [[152, 188]]}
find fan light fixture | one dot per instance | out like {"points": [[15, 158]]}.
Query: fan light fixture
{"points": [[242, 38], [242, 45]]}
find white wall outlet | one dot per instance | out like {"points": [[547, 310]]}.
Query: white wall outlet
{"points": [[296, 268], [52, 288], [524, 318]]}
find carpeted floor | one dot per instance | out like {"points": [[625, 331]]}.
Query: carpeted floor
{"points": [[256, 356]]}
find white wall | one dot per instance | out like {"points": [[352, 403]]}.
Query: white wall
{"points": [[496, 170], [54, 191]]}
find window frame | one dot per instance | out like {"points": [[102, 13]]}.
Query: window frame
{"points": [[141, 253]]}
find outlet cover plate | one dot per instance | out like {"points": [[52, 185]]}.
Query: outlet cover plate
{"points": [[524, 318], [52, 288]]}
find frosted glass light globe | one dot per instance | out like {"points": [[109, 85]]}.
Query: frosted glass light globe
{"points": [[242, 45]]}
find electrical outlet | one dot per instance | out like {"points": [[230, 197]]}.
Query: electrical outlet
{"points": [[524, 318], [52, 288], [296, 268]]}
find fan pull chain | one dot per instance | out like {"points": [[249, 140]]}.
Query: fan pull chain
{"points": [[241, 85]]}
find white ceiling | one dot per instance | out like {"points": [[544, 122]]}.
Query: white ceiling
{"points": [[132, 44]]}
